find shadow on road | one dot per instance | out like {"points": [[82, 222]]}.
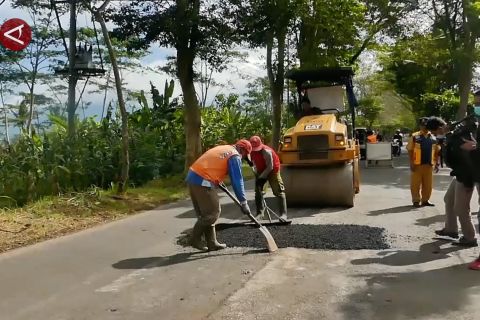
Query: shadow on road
{"points": [[392, 210], [425, 222], [427, 252], [412, 295], [157, 262]]}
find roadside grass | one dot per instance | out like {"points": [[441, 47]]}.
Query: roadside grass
{"points": [[55, 216]]}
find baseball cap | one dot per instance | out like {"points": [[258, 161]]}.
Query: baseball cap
{"points": [[256, 142], [245, 145]]}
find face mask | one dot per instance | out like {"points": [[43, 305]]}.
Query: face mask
{"points": [[476, 110]]}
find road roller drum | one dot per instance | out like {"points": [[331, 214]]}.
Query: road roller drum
{"points": [[319, 186]]}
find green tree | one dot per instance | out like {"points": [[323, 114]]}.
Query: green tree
{"points": [[267, 24], [195, 29], [419, 65], [327, 31], [370, 108], [458, 23]]}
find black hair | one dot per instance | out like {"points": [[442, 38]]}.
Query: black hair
{"points": [[434, 123], [422, 121]]}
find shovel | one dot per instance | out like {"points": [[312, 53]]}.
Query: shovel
{"points": [[272, 246]]}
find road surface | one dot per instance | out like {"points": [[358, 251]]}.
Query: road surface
{"points": [[134, 269]]}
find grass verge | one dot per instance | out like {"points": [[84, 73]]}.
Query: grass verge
{"points": [[51, 217]]}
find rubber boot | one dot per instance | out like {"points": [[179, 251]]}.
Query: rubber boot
{"points": [[259, 204], [282, 206], [196, 240], [211, 237]]}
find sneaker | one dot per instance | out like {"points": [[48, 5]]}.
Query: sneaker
{"points": [[475, 265], [444, 233], [465, 243]]}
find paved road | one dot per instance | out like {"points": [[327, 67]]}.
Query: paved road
{"points": [[133, 269]]}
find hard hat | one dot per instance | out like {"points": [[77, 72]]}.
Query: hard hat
{"points": [[245, 145], [256, 143]]}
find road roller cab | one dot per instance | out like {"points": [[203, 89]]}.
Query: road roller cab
{"points": [[320, 154]]}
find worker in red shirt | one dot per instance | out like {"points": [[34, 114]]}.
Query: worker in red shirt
{"points": [[267, 168]]}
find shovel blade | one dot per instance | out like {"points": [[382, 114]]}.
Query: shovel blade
{"points": [[272, 246]]}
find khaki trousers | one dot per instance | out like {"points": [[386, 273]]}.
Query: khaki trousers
{"points": [[278, 189], [421, 182], [206, 204], [457, 204]]}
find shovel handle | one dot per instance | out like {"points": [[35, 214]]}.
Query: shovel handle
{"points": [[224, 189]]}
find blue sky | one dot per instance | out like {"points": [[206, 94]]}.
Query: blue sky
{"points": [[235, 79]]}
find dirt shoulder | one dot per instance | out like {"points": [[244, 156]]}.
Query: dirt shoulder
{"points": [[52, 217]]}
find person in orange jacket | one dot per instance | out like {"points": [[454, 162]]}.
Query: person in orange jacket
{"points": [[205, 174]]}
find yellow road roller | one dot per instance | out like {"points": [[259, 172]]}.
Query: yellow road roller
{"points": [[320, 155]]}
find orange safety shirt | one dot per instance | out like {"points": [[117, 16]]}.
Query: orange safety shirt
{"points": [[213, 164], [372, 138]]}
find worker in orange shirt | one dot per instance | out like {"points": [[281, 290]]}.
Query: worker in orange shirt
{"points": [[205, 174], [371, 137], [423, 152]]}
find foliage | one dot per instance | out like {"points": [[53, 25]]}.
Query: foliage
{"points": [[328, 31], [228, 120], [370, 108], [421, 71], [158, 139]]}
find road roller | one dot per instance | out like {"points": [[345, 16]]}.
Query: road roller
{"points": [[319, 156]]}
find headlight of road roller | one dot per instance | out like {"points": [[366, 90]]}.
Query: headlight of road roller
{"points": [[339, 139], [287, 141]]}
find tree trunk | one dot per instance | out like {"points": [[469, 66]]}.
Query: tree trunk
{"points": [[466, 62], [464, 86], [30, 110], [5, 119], [193, 148], [72, 77], [123, 183], [276, 84], [105, 94]]}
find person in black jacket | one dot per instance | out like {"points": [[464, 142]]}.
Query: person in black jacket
{"points": [[463, 157]]}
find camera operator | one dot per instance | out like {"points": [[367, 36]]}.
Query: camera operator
{"points": [[462, 156]]}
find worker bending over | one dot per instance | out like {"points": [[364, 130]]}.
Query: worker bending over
{"points": [[267, 168], [423, 153], [205, 174]]}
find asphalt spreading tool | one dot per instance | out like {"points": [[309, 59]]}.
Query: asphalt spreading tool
{"points": [[268, 210], [281, 221], [272, 246]]}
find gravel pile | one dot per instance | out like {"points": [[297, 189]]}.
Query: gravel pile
{"points": [[330, 236]]}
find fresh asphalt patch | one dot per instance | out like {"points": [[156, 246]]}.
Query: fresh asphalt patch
{"points": [[308, 236]]}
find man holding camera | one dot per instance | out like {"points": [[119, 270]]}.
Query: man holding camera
{"points": [[463, 157]]}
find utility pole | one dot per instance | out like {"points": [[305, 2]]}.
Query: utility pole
{"points": [[72, 75]]}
